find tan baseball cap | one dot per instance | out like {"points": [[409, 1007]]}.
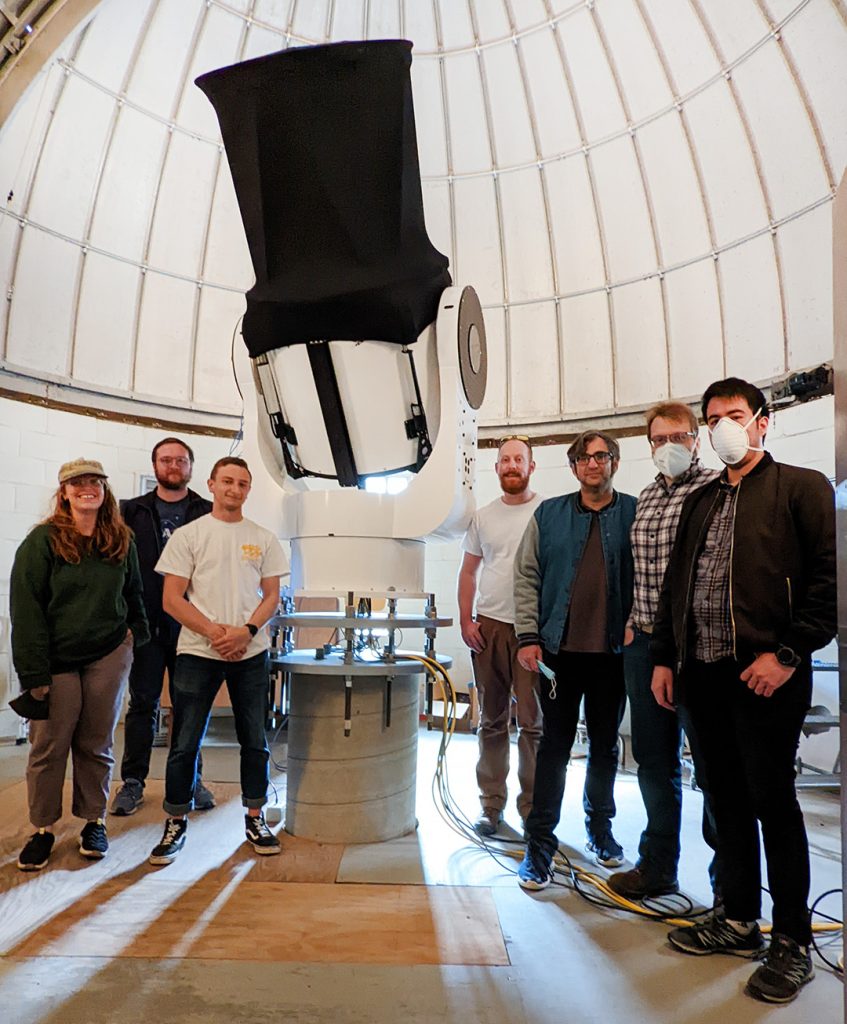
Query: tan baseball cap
{"points": [[81, 467]]}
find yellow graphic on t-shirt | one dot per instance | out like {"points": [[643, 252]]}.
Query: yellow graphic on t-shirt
{"points": [[251, 552]]}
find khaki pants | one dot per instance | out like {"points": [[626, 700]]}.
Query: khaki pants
{"points": [[84, 710], [497, 674]]}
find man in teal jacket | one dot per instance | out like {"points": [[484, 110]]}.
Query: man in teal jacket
{"points": [[573, 592]]}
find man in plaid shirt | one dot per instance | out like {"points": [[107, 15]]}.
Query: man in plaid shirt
{"points": [[656, 732]]}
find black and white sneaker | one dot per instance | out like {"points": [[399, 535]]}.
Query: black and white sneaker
{"points": [[260, 836], [787, 968], [93, 842], [172, 842], [36, 853], [716, 935]]}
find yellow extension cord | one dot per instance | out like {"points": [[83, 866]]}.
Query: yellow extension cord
{"points": [[448, 694]]}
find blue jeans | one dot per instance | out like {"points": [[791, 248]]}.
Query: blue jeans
{"points": [[599, 678], [656, 746], [196, 683]]}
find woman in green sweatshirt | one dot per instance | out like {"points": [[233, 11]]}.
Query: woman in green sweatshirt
{"points": [[76, 610]]}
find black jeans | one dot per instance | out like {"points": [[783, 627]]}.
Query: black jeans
{"points": [[145, 689], [599, 678], [749, 746], [656, 746]]}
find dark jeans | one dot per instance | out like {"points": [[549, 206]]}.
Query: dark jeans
{"points": [[145, 689], [749, 746], [599, 678], [196, 683], [657, 746]]}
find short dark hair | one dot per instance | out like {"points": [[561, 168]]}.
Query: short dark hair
{"points": [[229, 460], [584, 439], [172, 440], [735, 387]]}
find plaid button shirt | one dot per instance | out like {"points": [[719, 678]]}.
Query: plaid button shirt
{"points": [[710, 604], [653, 533]]}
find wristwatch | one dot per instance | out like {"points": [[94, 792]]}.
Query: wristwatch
{"points": [[787, 657], [254, 629]]}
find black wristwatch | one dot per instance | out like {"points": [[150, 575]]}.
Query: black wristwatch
{"points": [[254, 629], [787, 657]]}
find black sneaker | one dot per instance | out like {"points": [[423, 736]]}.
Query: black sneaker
{"points": [[172, 842], [260, 836], [787, 968], [637, 885], [92, 840], [128, 798], [36, 853], [608, 852], [716, 935]]}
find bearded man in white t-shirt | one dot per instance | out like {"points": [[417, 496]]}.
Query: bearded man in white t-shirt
{"points": [[489, 631], [222, 585]]}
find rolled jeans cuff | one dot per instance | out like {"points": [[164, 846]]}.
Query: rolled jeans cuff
{"points": [[178, 810], [254, 802]]}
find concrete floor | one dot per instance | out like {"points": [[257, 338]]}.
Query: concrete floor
{"points": [[568, 960]]}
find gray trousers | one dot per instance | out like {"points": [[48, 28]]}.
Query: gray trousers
{"points": [[84, 710], [497, 674]]}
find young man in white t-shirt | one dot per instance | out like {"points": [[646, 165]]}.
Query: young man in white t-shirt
{"points": [[490, 544], [222, 584]]}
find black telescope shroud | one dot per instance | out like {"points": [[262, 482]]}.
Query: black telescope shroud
{"points": [[322, 148]]}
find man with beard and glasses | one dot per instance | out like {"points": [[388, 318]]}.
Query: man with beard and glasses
{"points": [[153, 518], [573, 594], [491, 541]]}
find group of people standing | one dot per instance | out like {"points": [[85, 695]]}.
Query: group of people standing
{"points": [[702, 603], [102, 596]]}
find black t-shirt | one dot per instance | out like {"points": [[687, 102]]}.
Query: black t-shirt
{"points": [[171, 516]]}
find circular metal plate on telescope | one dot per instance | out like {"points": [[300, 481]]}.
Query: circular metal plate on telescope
{"points": [[305, 663], [473, 351], [320, 620]]}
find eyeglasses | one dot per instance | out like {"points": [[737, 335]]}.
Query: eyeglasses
{"points": [[179, 461], [601, 458], [513, 437], [680, 438]]}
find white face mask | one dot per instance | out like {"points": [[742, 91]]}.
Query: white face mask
{"points": [[672, 460], [730, 441]]}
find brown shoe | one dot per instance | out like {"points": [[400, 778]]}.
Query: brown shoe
{"points": [[636, 885]]}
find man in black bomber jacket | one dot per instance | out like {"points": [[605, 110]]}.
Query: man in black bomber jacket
{"points": [[749, 594], [153, 517]]}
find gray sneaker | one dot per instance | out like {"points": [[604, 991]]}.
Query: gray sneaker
{"points": [[128, 798], [204, 799], [488, 822]]}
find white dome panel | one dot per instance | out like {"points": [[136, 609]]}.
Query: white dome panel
{"points": [[383, 19], [454, 18], [157, 78], [109, 41], [588, 367], [164, 351], [105, 324], [218, 317], [599, 101], [419, 25], [634, 57], [557, 126], [790, 157], [732, 187], [436, 199], [469, 140], [804, 245], [627, 226], [260, 42], [752, 311], [817, 42], [63, 189], [641, 362], [479, 255], [347, 20], [220, 41], [683, 43], [309, 20], [681, 224], [40, 319], [227, 258], [573, 217], [507, 106], [534, 374], [429, 123], [128, 186], [526, 235], [695, 349], [492, 20]]}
